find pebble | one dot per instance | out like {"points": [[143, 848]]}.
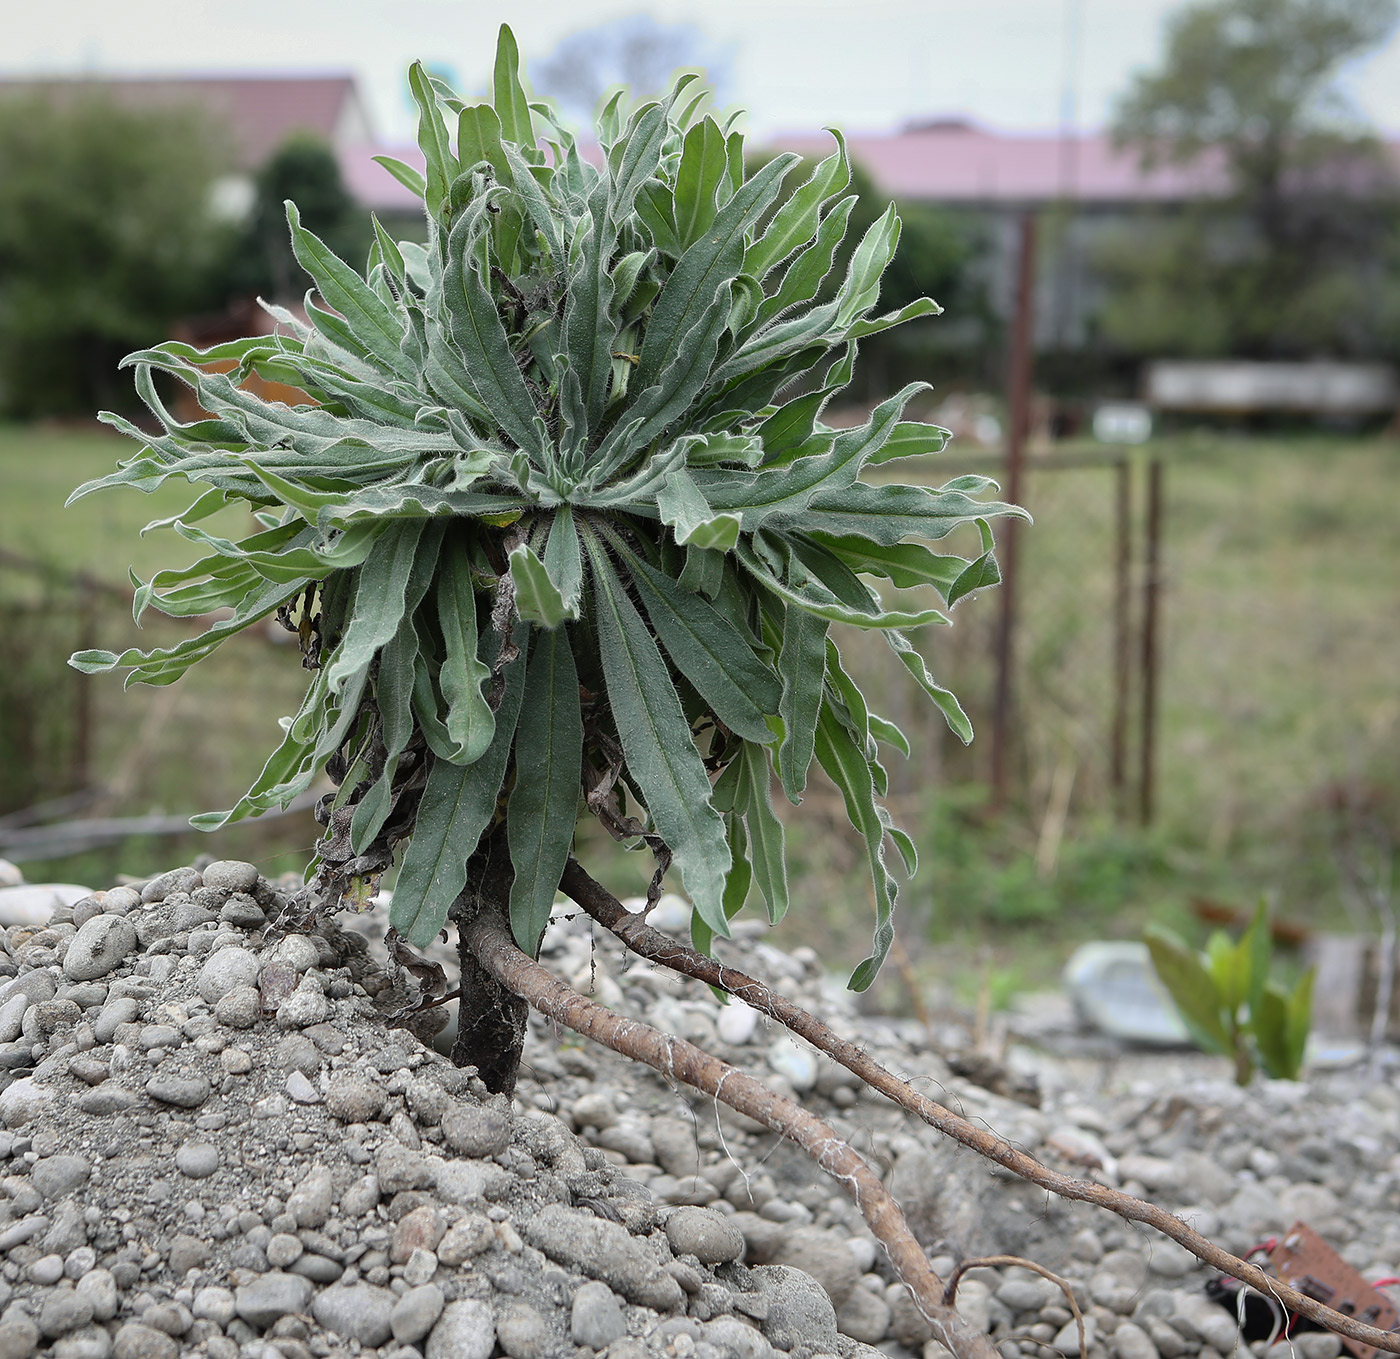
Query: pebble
{"points": [[708, 1235], [300, 1089], [736, 1023], [229, 875], [476, 1130], [138, 1341], [19, 1336], [213, 1304], [55, 1176], [416, 1312], [301, 1009], [235, 1061], [795, 1061], [24, 1101], [465, 1330], [596, 1319], [99, 1287], [355, 1099], [197, 1160], [98, 948], [185, 1092], [271, 1297], [360, 1312], [227, 969], [239, 1008], [310, 1203]]}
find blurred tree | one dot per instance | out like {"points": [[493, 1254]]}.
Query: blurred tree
{"points": [[106, 237], [635, 51], [942, 254], [305, 170], [1296, 258]]}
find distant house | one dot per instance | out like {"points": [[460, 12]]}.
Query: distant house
{"points": [[257, 113]]}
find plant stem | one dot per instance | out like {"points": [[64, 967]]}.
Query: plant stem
{"points": [[491, 1019], [652, 944]]}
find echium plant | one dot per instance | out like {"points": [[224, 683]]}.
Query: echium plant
{"points": [[563, 525]]}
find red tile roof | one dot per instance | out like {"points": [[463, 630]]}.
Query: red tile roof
{"points": [[955, 161], [260, 112]]}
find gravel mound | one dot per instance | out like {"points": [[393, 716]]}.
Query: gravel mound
{"points": [[215, 1142]]}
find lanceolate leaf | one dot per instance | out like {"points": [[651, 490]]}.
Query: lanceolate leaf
{"points": [[802, 666], [661, 755], [537, 598], [370, 320], [766, 837], [846, 766], [379, 600], [711, 653], [470, 723], [796, 222], [458, 803], [944, 699], [544, 801]]}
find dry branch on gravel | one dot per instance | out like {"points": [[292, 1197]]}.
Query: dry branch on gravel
{"points": [[649, 943]]}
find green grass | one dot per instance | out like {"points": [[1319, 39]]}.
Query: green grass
{"points": [[191, 747], [1279, 701]]}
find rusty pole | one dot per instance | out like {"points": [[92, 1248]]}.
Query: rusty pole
{"points": [[1018, 389], [1151, 598], [1122, 648], [80, 769]]}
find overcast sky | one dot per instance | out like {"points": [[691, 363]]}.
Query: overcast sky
{"points": [[861, 64]]}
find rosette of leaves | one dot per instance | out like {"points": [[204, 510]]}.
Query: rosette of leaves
{"points": [[564, 527]]}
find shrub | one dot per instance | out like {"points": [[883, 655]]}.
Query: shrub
{"points": [[566, 523]]}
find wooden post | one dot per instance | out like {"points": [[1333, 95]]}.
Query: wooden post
{"points": [[1122, 646], [1151, 596], [1018, 384]]}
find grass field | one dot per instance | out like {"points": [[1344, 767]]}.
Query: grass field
{"points": [[1279, 703]]}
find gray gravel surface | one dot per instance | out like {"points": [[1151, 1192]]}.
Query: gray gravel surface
{"points": [[213, 1141]]}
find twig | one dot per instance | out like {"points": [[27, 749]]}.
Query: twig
{"points": [[650, 943], [490, 942], [950, 1291]]}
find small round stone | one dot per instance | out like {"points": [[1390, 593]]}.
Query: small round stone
{"points": [[230, 875], [300, 1089], [476, 1130], [46, 1270], [283, 1249], [100, 946], [360, 1312], [239, 1008], [464, 1331], [64, 1310], [226, 969], [235, 1061], [713, 1239], [185, 1092], [302, 1009], [135, 1341], [355, 1099], [415, 1313], [197, 1160], [55, 1176], [596, 1319]]}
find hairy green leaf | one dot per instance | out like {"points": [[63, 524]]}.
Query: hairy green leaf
{"points": [[544, 801], [457, 805], [661, 755]]}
